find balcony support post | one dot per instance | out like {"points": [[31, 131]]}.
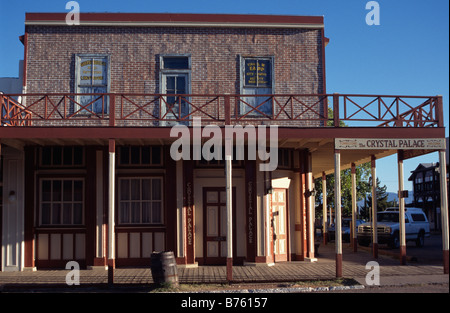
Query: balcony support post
{"points": [[324, 208], [374, 209], [444, 209], [354, 209], [111, 213], [337, 203], [401, 204]]}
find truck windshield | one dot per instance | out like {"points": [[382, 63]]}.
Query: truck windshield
{"points": [[388, 217]]}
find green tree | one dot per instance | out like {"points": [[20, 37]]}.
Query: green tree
{"points": [[382, 200], [362, 188]]}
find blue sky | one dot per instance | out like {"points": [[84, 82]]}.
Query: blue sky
{"points": [[407, 54]]}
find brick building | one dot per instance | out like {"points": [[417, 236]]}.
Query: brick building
{"points": [[87, 168]]}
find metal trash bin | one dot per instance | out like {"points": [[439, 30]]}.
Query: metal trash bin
{"points": [[164, 268]]}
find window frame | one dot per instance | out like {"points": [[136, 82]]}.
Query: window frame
{"points": [[62, 165], [242, 86], [78, 58], [140, 164], [119, 201], [164, 72], [41, 201]]}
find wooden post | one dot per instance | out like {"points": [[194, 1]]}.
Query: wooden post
{"points": [[401, 204], [228, 177], [444, 209], [335, 109], [337, 203], [324, 215], [111, 232], [354, 208], [310, 201], [374, 209]]}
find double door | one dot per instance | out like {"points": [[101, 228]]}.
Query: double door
{"points": [[215, 225]]}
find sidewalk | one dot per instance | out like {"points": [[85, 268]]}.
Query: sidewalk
{"points": [[354, 266]]}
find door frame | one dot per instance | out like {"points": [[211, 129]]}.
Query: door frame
{"points": [[272, 239], [221, 260]]}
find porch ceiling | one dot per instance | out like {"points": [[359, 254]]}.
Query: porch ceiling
{"points": [[322, 149]]}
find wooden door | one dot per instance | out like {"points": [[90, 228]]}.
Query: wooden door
{"points": [[279, 224], [215, 225]]}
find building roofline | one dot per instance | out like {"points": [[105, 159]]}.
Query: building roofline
{"points": [[176, 19]]}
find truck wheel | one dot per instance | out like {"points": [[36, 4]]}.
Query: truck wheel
{"points": [[420, 241], [395, 241]]}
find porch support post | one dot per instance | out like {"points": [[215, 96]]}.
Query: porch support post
{"points": [[111, 232], [374, 209], [324, 207], [444, 209], [310, 200], [337, 203], [354, 208], [228, 176], [401, 204]]}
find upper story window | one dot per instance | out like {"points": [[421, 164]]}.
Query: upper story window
{"points": [[175, 76], [92, 77], [256, 79]]}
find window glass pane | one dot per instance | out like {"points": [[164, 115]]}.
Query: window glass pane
{"points": [[77, 213], [135, 212], [156, 189], [56, 213], [156, 212], [57, 155], [124, 155], [77, 190], [100, 72], [146, 191], [250, 72], [146, 155], [176, 63], [67, 190], [67, 213], [77, 155], [135, 155], [125, 212], [67, 156], [45, 218], [264, 73], [56, 190], [156, 155], [170, 85], [85, 71], [135, 189], [181, 85], [46, 156], [46, 190], [124, 189], [146, 212]]}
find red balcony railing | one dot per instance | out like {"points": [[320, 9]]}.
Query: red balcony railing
{"points": [[304, 110]]}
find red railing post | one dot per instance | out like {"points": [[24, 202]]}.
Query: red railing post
{"points": [[227, 104], [336, 109], [439, 111], [112, 110]]}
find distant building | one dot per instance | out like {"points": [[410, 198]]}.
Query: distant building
{"points": [[426, 190]]}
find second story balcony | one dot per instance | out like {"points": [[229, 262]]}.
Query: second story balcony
{"points": [[322, 111]]}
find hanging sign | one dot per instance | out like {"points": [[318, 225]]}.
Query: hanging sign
{"points": [[390, 143]]}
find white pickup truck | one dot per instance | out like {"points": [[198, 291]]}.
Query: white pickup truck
{"points": [[417, 228]]}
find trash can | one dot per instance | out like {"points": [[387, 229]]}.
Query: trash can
{"points": [[164, 268]]}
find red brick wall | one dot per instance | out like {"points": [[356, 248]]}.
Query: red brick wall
{"points": [[134, 55]]}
